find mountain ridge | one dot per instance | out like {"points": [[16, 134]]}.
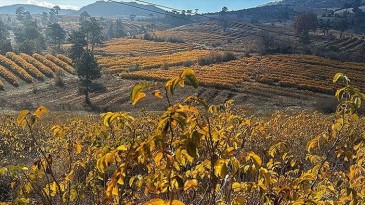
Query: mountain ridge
{"points": [[124, 9], [33, 9]]}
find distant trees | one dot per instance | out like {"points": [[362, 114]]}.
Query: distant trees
{"points": [[28, 38], [22, 14], [223, 14], [132, 17], [56, 9], [5, 44], [56, 35], [305, 22], [77, 38], [175, 18], [44, 18], [83, 16], [87, 70], [92, 31], [116, 29]]}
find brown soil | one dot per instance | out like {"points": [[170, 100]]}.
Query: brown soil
{"points": [[115, 97]]}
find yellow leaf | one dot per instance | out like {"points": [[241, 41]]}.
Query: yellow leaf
{"points": [[220, 168], [138, 97], [337, 77], [314, 143], [189, 75], [158, 157], [58, 131], [236, 187], [137, 92], [40, 111], [157, 94], [155, 202], [78, 148], [162, 202], [53, 188], [107, 117], [255, 158], [190, 184], [22, 116], [122, 148]]}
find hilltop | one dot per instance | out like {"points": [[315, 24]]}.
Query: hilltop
{"points": [[33, 9], [112, 9]]}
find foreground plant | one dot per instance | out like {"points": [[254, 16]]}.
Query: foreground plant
{"points": [[196, 153]]}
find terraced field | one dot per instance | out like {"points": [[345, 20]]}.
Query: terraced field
{"points": [[118, 64], [345, 44], [137, 47], [302, 72], [15, 69], [237, 37]]}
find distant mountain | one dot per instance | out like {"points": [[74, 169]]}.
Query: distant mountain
{"points": [[33, 9], [316, 3], [113, 9]]}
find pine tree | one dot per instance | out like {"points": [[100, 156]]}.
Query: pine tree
{"points": [[87, 70]]}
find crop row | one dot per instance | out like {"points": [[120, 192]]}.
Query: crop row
{"points": [[16, 69], [64, 58], [116, 64], [287, 71], [29, 68], [138, 47], [60, 63], [9, 76], [40, 66], [33, 71], [48, 63], [193, 37]]}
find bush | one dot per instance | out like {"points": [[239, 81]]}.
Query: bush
{"points": [[58, 81], [228, 56], [175, 40], [188, 63], [215, 57]]}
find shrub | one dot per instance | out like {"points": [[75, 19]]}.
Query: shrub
{"points": [[214, 57], [228, 56], [175, 40], [58, 80]]}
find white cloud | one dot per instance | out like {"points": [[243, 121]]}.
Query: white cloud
{"points": [[51, 5]]}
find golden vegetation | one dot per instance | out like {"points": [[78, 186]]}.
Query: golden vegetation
{"points": [[55, 68], [192, 37], [65, 66], [297, 71], [27, 68], [16, 69], [138, 47], [33, 71], [192, 153], [117, 64], [64, 58], [9, 76], [40, 66]]}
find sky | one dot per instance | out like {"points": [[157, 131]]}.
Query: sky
{"points": [[203, 5]]}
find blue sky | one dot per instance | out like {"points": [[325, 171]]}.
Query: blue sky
{"points": [[202, 5]]}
